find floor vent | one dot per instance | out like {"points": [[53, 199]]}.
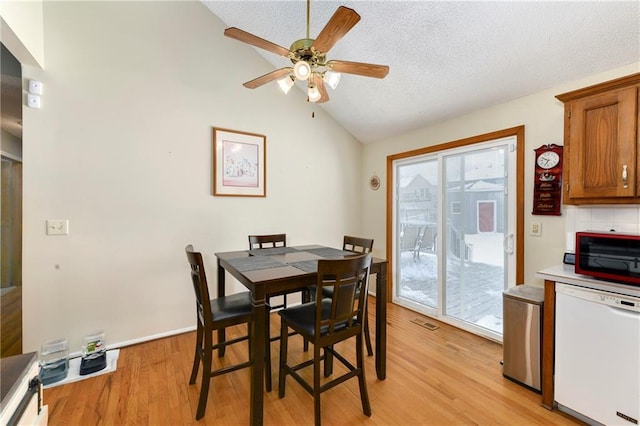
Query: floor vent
{"points": [[425, 324]]}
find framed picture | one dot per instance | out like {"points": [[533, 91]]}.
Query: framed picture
{"points": [[239, 163]]}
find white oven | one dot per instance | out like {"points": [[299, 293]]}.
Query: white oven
{"points": [[597, 355]]}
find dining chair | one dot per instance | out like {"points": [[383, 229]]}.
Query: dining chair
{"points": [[326, 322], [362, 246], [268, 242], [216, 314]]}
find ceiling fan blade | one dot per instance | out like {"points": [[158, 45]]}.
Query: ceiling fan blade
{"points": [[340, 23], [264, 79], [319, 83], [256, 41], [359, 68]]}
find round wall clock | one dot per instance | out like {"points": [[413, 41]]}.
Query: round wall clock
{"points": [[374, 182], [548, 159]]}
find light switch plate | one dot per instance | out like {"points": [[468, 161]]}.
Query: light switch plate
{"points": [[33, 101], [536, 229], [35, 87], [57, 227]]}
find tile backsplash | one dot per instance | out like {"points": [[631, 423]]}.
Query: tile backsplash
{"points": [[600, 218]]}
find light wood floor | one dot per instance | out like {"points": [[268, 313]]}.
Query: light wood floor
{"points": [[441, 377]]}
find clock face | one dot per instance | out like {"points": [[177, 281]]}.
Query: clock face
{"points": [[548, 160], [374, 182]]}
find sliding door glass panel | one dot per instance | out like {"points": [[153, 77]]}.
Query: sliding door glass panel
{"points": [[416, 232], [474, 232], [454, 215]]}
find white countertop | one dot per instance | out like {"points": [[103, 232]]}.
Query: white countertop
{"points": [[566, 274]]}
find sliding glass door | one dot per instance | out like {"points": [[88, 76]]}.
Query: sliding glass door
{"points": [[454, 220]]}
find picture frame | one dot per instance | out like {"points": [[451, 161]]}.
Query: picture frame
{"points": [[239, 163]]}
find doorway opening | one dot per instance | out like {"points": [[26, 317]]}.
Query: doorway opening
{"points": [[11, 205]]}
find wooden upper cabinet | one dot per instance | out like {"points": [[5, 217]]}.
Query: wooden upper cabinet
{"points": [[603, 148], [601, 154]]}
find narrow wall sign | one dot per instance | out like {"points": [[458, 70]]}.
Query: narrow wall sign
{"points": [[547, 186]]}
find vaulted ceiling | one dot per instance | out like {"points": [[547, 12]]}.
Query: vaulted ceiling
{"points": [[446, 58]]}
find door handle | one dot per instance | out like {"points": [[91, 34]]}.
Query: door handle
{"points": [[507, 244], [624, 176]]}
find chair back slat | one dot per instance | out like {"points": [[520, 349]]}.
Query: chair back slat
{"points": [[267, 241], [357, 244], [349, 279], [200, 286]]}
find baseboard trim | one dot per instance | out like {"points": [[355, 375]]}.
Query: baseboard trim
{"points": [[141, 339]]}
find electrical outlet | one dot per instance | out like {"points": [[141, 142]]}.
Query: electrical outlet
{"points": [[536, 229], [57, 227]]}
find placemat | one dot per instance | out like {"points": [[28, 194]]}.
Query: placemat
{"points": [[306, 265], [330, 253], [254, 263], [272, 251]]}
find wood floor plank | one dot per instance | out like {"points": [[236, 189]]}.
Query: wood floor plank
{"points": [[441, 377]]}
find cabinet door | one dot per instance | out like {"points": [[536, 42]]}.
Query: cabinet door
{"points": [[603, 145]]}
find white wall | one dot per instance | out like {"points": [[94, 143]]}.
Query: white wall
{"points": [[542, 116], [122, 149]]}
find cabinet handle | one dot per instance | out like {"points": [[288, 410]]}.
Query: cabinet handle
{"points": [[624, 176]]}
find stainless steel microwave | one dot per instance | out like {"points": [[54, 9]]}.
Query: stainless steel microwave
{"points": [[612, 256]]}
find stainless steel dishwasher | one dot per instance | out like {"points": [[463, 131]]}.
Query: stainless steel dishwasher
{"points": [[522, 308]]}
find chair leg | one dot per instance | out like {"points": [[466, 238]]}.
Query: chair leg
{"points": [[282, 374], [206, 375], [306, 298], [196, 355], [367, 334], [364, 394], [328, 362], [222, 337], [267, 356], [316, 385]]}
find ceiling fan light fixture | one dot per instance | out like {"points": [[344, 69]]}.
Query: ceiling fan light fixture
{"points": [[302, 70], [332, 78], [285, 84], [308, 56], [313, 93]]}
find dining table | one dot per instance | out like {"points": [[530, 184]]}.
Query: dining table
{"points": [[280, 270]]}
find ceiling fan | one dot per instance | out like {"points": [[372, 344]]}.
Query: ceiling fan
{"points": [[309, 57]]}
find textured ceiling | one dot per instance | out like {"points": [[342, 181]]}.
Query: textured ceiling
{"points": [[446, 58]]}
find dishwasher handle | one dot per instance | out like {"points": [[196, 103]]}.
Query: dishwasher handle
{"points": [[625, 311]]}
